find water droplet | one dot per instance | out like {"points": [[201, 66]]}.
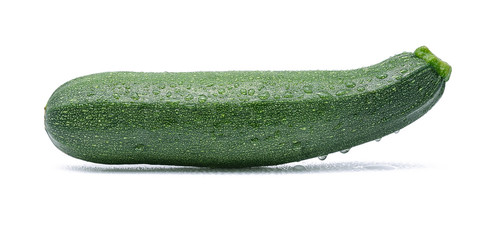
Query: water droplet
{"points": [[173, 85], [308, 89], [342, 92], [323, 157], [243, 91], [403, 71], [116, 96], [221, 91], [396, 131], [264, 95], [156, 91], [169, 94], [350, 84], [345, 151], [288, 95], [139, 147], [382, 76], [324, 94], [299, 168], [251, 92], [202, 98], [135, 96], [189, 97], [361, 89], [378, 139]]}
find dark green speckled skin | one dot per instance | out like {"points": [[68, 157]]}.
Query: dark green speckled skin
{"points": [[237, 118]]}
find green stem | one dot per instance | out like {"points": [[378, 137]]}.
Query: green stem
{"points": [[443, 69]]}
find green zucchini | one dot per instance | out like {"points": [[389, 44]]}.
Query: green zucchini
{"points": [[239, 118]]}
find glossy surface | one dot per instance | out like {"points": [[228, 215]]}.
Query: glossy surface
{"points": [[237, 118]]}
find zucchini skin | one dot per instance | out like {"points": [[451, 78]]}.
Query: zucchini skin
{"points": [[238, 118]]}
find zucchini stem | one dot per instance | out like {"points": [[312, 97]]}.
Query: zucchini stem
{"points": [[442, 68]]}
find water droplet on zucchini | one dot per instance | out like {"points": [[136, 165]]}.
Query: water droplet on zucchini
{"points": [[345, 151], [202, 98], [382, 76], [189, 97], [342, 92], [264, 95], [350, 84]]}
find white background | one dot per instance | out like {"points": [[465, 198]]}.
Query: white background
{"points": [[433, 180]]}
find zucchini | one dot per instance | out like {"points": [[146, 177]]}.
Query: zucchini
{"points": [[239, 118]]}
